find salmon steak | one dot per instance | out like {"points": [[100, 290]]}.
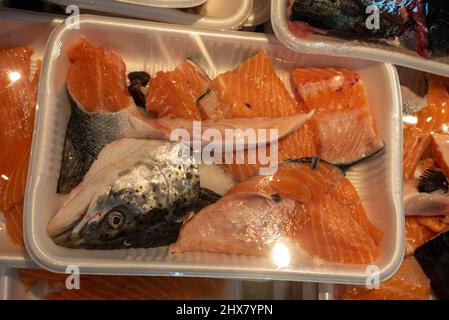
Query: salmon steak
{"points": [[175, 93], [94, 287], [346, 128], [328, 219], [409, 283]]}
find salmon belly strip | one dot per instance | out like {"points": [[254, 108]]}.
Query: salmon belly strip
{"points": [[417, 137], [254, 90], [17, 109], [346, 128], [328, 221], [124, 287]]}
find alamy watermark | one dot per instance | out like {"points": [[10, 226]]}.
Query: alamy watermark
{"points": [[234, 146], [72, 22], [72, 282], [373, 277]]}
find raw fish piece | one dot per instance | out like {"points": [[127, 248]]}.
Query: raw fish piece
{"points": [[328, 220], [346, 128], [174, 93]]}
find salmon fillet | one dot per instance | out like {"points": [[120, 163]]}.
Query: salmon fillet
{"points": [[14, 224], [97, 78], [254, 90], [17, 108], [346, 128], [409, 283], [328, 220], [175, 93], [417, 137], [124, 287]]}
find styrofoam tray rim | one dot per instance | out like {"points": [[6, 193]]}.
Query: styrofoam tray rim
{"points": [[280, 27]]}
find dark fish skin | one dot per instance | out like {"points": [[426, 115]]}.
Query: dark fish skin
{"points": [[348, 17], [434, 260], [138, 80], [87, 134], [437, 21]]}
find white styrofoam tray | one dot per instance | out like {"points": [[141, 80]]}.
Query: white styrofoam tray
{"points": [[223, 14], [153, 47], [327, 45], [32, 29], [147, 3], [11, 288]]}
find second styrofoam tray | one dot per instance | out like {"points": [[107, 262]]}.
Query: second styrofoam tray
{"points": [[154, 47], [232, 14], [150, 3], [357, 49]]}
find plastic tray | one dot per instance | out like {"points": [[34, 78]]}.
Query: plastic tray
{"points": [[232, 14], [363, 50], [147, 3], [11, 288], [153, 47], [32, 29]]}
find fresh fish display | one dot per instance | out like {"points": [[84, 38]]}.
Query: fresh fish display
{"points": [[434, 260], [94, 287], [136, 194], [312, 204], [90, 128], [424, 21], [17, 109], [409, 283]]}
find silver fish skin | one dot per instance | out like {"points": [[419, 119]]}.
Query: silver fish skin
{"points": [[136, 194]]}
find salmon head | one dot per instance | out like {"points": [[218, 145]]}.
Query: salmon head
{"points": [[136, 194]]}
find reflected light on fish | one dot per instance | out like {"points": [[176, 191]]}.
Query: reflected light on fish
{"points": [[281, 255], [14, 76], [445, 128], [4, 177], [429, 119], [410, 119]]}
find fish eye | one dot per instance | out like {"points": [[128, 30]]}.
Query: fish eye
{"points": [[116, 219]]}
